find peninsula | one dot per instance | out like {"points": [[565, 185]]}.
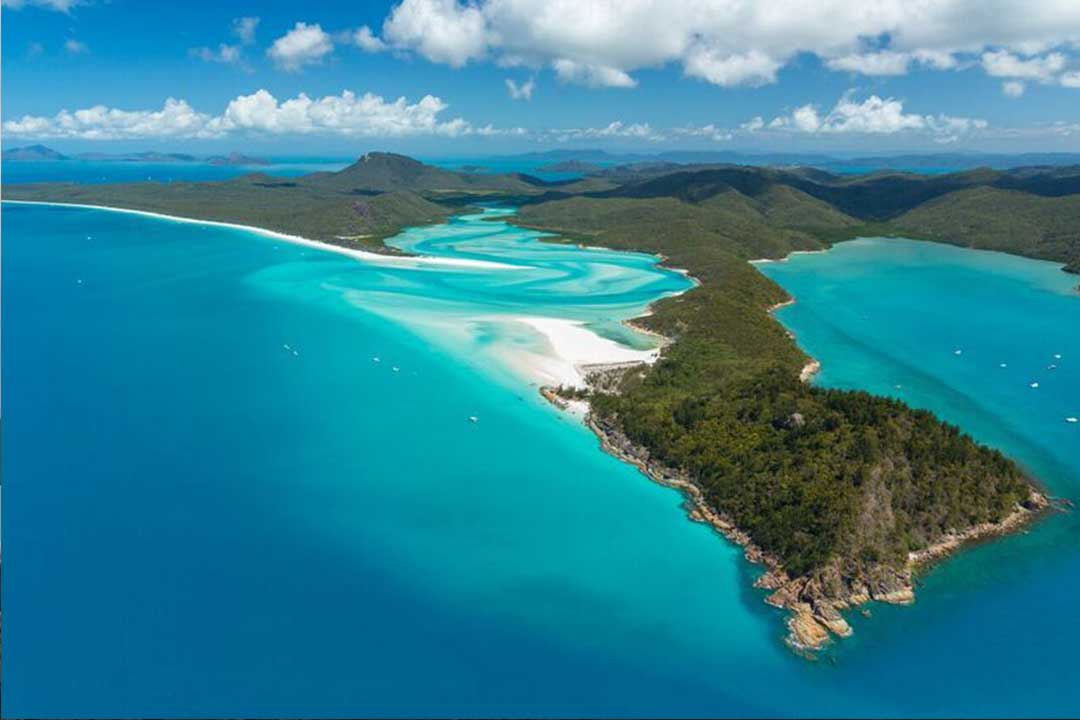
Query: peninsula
{"points": [[841, 495]]}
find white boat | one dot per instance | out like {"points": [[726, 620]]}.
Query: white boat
{"points": [[958, 352], [1034, 385], [1072, 419], [473, 418]]}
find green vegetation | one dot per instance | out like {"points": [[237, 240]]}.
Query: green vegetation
{"points": [[1006, 220], [820, 479], [823, 480], [374, 198]]}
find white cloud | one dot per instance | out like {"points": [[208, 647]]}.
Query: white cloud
{"points": [[753, 124], [889, 62], [591, 75], [753, 68], [616, 129], [1070, 79], [366, 40], [1013, 88], [936, 59], [346, 114], [879, 63], [175, 119], [226, 54], [230, 54], [58, 5], [874, 115], [1001, 63], [727, 42], [523, 91], [441, 30], [244, 29], [303, 45], [709, 132], [75, 47]]}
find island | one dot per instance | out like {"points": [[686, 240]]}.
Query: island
{"points": [[570, 166], [841, 496], [40, 153]]}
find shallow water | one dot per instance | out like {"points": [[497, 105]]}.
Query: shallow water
{"points": [[199, 521]]}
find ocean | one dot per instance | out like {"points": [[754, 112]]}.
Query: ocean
{"points": [[219, 503]]}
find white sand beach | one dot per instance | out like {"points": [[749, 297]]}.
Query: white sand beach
{"points": [[363, 255], [572, 346]]}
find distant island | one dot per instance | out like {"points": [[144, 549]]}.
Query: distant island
{"points": [[841, 495], [570, 166], [32, 153], [39, 153], [936, 162]]}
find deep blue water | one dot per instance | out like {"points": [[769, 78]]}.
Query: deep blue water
{"points": [[199, 521]]}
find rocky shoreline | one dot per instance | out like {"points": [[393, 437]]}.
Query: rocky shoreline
{"points": [[815, 602]]}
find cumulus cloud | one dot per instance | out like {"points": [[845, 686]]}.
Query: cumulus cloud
{"points": [[890, 62], [443, 31], [753, 124], [175, 119], [753, 68], [591, 75], [616, 129], [875, 115], [709, 132], [303, 45], [366, 40], [728, 42], [1013, 88], [879, 63], [523, 91], [1002, 63], [75, 47], [346, 114], [1071, 79]]}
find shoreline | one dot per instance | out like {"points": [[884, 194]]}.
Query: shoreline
{"points": [[575, 347], [815, 615], [812, 366], [361, 255]]}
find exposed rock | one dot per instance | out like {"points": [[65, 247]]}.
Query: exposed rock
{"points": [[805, 632]]}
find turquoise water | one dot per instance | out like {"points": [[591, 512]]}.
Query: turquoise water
{"points": [[199, 520], [965, 334]]}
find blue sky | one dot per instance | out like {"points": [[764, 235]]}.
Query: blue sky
{"points": [[430, 76]]}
